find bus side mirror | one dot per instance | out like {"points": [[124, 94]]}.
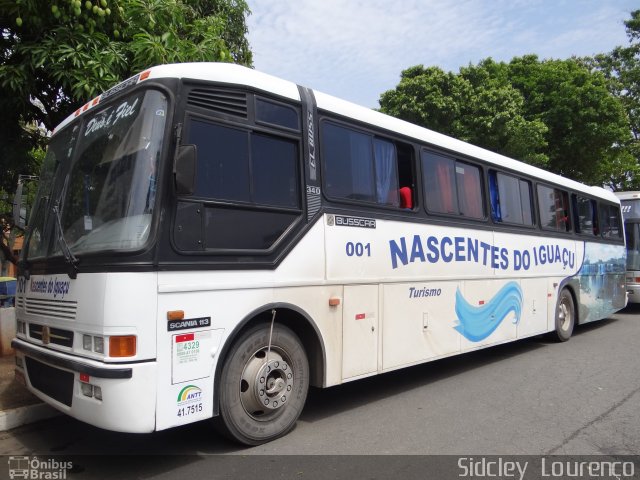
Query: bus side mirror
{"points": [[185, 169], [19, 211]]}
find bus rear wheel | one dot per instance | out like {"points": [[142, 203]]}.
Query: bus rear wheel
{"points": [[565, 317], [263, 387]]}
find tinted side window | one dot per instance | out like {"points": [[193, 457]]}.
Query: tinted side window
{"points": [[274, 172], [348, 163], [554, 209], [223, 161], [359, 166], [440, 183], [610, 221], [586, 215], [451, 186], [510, 199], [236, 165], [247, 190], [276, 114]]}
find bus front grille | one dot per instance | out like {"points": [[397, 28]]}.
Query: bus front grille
{"points": [[53, 382], [47, 335], [63, 309]]}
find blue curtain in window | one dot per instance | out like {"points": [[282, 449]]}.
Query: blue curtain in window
{"points": [[494, 197], [361, 167], [386, 174]]}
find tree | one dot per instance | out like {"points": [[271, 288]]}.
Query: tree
{"points": [[587, 125], [556, 114], [621, 67], [54, 56], [475, 106]]}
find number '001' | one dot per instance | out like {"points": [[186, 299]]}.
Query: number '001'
{"points": [[358, 249]]}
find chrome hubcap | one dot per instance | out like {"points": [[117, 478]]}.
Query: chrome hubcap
{"points": [[564, 313], [265, 385]]}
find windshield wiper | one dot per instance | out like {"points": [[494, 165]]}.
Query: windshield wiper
{"points": [[64, 247]]}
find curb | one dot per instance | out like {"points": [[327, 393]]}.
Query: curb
{"points": [[16, 417]]}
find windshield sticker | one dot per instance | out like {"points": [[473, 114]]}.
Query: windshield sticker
{"points": [[102, 121]]}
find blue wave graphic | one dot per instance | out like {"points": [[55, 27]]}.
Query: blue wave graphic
{"points": [[477, 323]]}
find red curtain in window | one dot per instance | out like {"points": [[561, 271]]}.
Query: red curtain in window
{"points": [[472, 203], [444, 176]]}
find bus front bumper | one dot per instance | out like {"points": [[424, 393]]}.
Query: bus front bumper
{"points": [[119, 397]]}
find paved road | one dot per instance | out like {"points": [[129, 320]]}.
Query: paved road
{"points": [[529, 397]]}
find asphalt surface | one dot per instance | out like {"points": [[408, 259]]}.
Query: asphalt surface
{"points": [[531, 397]]}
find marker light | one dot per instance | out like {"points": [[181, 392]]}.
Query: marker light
{"points": [[86, 342], [122, 346], [175, 315]]}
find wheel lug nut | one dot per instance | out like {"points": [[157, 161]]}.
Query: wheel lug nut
{"points": [[276, 364], [266, 402], [288, 388], [275, 404], [284, 399], [262, 393], [289, 375], [261, 379], [284, 366]]}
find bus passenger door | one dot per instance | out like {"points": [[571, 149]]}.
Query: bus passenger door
{"points": [[359, 330]]}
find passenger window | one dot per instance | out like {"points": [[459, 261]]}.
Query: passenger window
{"points": [[277, 114], [241, 166], [554, 209], [452, 187], [610, 221], [360, 166], [247, 193], [510, 199], [586, 215]]}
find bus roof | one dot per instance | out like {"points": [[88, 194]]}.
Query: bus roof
{"points": [[238, 75], [628, 195]]}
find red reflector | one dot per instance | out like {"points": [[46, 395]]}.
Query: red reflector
{"points": [[481, 302], [187, 337], [636, 280], [360, 316], [95, 101], [84, 377]]}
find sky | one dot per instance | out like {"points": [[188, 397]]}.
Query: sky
{"points": [[357, 49]]}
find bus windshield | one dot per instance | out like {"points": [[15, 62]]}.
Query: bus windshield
{"points": [[632, 232], [102, 195]]}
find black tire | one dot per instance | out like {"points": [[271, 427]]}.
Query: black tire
{"points": [[249, 413], [565, 317]]}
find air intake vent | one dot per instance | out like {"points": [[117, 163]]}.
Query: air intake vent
{"points": [[63, 309], [229, 103]]}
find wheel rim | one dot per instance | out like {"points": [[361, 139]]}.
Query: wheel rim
{"points": [[564, 314], [266, 384]]}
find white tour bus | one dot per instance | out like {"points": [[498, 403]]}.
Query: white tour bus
{"points": [[631, 216], [208, 241]]}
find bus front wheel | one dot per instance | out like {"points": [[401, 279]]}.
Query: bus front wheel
{"points": [[565, 317], [263, 386]]}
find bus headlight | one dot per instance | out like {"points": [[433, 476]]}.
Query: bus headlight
{"points": [[93, 343], [98, 344]]}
